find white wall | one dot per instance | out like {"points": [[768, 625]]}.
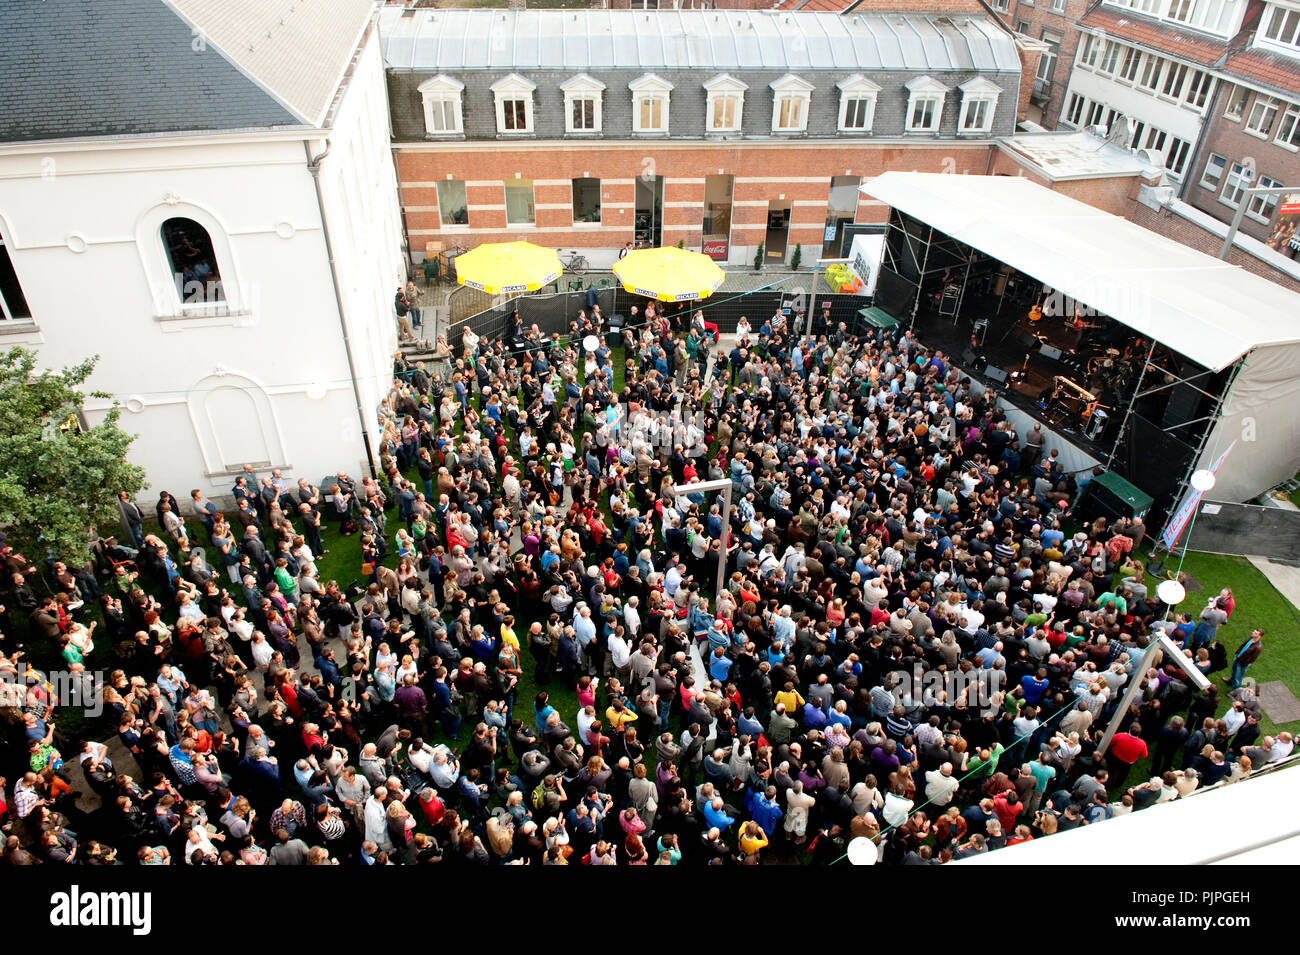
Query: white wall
{"points": [[1174, 118], [81, 224], [359, 191]]}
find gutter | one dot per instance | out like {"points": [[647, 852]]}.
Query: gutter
{"points": [[313, 165]]}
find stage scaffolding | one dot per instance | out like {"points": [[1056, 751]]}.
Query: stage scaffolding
{"points": [[916, 254]]}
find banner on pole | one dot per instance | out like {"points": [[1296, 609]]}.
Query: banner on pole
{"points": [[1191, 501]]}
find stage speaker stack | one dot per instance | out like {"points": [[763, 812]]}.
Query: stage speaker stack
{"points": [[995, 373]]}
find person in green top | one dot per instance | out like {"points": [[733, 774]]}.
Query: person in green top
{"points": [[288, 586], [981, 767], [1116, 599]]}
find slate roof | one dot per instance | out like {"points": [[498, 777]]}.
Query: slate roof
{"points": [[71, 69], [453, 41]]}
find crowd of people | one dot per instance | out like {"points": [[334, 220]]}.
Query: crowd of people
{"points": [[911, 646]]}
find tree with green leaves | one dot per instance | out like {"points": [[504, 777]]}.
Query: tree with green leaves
{"points": [[60, 477]]}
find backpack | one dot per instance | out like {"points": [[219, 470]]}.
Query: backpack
{"points": [[539, 796]]}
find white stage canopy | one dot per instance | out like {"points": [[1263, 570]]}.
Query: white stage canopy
{"points": [[1205, 309]]}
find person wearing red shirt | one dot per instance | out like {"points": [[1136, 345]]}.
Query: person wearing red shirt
{"points": [[1007, 808], [1125, 750]]}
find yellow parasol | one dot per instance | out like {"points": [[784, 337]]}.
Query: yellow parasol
{"points": [[669, 275], [503, 267]]}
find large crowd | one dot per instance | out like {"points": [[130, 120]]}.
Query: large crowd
{"points": [[913, 645]]}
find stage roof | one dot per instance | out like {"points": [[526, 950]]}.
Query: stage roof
{"points": [[1206, 309]]}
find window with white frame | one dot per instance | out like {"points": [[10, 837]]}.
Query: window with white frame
{"points": [[1288, 130], [857, 104], [1110, 57], [1281, 26], [1152, 66], [925, 104], [1175, 76], [1235, 185], [1074, 109], [1213, 172], [1047, 61], [1002, 6], [650, 101], [521, 207], [514, 98], [791, 96], [1197, 91], [1262, 113], [1261, 205], [441, 96], [1236, 102], [1089, 51], [726, 103], [979, 100], [1176, 157], [13, 303], [582, 103], [1129, 63], [1095, 111]]}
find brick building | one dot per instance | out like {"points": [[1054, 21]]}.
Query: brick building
{"points": [[1252, 136], [1055, 24], [588, 129]]}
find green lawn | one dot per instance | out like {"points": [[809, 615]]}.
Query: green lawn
{"points": [[1258, 605]]}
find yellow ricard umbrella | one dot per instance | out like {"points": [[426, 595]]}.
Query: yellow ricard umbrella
{"points": [[669, 275], [500, 267]]}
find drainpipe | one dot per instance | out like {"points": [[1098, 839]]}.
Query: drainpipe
{"points": [[313, 165]]}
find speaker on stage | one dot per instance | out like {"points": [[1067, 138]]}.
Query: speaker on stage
{"points": [[1026, 341], [996, 373], [1049, 352], [967, 357]]}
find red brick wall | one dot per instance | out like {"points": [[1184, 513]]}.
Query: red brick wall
{"points": [[1230, 140], [1190, 234], [1039, 16], [797, 175]]}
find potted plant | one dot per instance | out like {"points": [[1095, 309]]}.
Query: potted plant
{"points": [[758, 258], [796, 258]]}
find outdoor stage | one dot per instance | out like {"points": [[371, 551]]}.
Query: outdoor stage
{"points": [[1136, 351]]}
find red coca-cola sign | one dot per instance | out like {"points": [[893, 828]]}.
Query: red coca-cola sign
{"points": [[716, 249]]}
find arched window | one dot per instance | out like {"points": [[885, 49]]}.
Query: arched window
{"points": [[193, 262]]}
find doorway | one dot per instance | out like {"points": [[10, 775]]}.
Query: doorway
{"points": [[648, 228], [841, 208], [717, 216], [778, 230]]}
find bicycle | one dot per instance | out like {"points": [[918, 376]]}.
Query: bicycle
{"points": [[575, 262]]}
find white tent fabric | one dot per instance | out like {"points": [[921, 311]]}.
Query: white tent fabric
{"points": [[1203, 308], [1217, 826], [1260, 415]]}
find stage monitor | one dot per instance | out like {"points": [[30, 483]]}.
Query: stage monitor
{"points": [[1049, 352], [996, 373]]}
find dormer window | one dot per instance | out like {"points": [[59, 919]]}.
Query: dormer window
{"points": [[925, 101], [857, 104], [726, 102], [979, 100], [514, 98], [790, 98], [441, 95], [650, 97], [582, 104]]}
